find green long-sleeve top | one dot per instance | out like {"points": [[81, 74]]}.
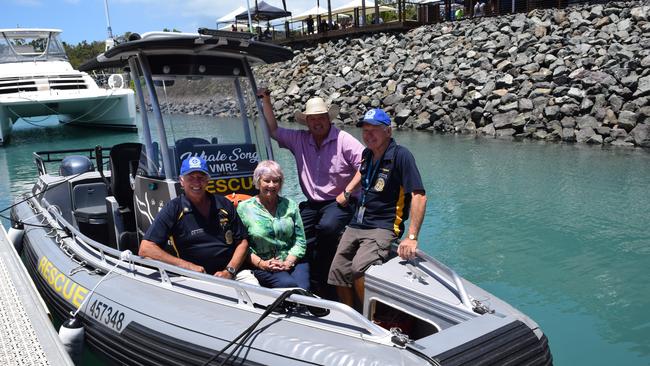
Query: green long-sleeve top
{"points": [[273, 236]]}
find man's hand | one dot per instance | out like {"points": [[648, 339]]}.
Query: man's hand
{"points": [[341, 200], [191, 266], [223, 274], [407, 248]]}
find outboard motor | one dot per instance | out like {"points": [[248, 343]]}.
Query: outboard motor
{"points": [[75, 164]]}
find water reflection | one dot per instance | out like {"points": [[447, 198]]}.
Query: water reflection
{"points": [[557, 230]]}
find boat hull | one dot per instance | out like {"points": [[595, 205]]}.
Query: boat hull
{"points": [[102, 108], [137, 316]]}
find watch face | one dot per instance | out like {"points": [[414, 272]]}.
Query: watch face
{"points": [[231, 270]]}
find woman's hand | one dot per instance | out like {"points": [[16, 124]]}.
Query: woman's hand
{"points": [[271, 265]]}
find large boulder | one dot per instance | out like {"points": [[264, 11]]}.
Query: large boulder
{"points": [[641, 135]]}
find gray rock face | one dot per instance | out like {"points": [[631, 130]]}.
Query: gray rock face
{"points": [[575, 74], [641, 135]]}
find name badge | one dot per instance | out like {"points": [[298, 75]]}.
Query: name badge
{"points": [[360, 212]]}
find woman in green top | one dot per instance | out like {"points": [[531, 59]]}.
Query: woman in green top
{"points": [[275, 232]]}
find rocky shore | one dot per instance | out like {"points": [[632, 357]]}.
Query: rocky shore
{"points": [[578, 74]]}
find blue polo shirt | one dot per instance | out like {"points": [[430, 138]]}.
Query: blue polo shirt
{"points": [[386, 189], [205, 242]]}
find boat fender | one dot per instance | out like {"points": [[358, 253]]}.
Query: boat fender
{"points": [[16, 237], [72, 337]]}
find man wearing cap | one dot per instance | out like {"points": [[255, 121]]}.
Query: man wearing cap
{"points": [[391, 189], [326, 159], [205, 231]]}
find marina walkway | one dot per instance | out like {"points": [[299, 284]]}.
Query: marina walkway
{"points": [[27, 336]]}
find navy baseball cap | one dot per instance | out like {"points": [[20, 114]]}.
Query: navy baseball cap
{"points": [[375, 117], [194, 164]]}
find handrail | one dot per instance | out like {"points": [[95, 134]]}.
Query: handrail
{"points": [[40, 161], [456, 287], [111, 256], [454, 283]]}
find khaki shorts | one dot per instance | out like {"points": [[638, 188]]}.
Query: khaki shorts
{"points": [[358, 250], [247, 276]]}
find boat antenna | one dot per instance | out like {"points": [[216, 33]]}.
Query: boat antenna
{"points": [[110, 41], [250, 21]]}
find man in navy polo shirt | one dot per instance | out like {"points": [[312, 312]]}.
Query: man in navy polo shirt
{"points": [[391, 190], [205, 231]]}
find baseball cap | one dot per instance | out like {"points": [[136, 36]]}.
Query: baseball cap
{"points": [[375, 117], [194, 164]]}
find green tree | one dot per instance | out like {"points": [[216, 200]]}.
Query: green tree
{"points": [[82, 52]]}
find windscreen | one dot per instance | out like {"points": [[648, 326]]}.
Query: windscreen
{"points": [[210, 118], [20, 46]]}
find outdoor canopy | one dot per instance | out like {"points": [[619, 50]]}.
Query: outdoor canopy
{"points": [[316, 10], [264, 11], [354, 4], [230, 17]]}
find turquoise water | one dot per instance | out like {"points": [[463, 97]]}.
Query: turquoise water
{"points": [[559, 231]]}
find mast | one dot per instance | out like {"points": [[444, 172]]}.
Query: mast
{"points": [[110, 42]]}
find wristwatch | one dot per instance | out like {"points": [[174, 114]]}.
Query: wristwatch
{"points": [[413, 237], [346, 195], [232, 271]]}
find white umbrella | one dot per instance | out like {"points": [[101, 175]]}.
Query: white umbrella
{"points": [[230, 17], [370, 7], [316, 10]]}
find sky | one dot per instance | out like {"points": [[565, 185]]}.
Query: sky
{"points": [[85, 19]]}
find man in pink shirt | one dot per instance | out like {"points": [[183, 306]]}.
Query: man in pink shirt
{"points": [[326, 159]]}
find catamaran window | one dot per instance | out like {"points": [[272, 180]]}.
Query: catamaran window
{"points": [[26, 45], [205, 117]]}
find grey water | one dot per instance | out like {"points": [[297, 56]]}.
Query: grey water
{"points": [[559, 231]]}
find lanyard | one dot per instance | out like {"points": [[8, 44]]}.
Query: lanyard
{"points": [[370, 177]]}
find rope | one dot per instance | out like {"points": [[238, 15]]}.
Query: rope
{"points": [[78, 118], [48, 188], [249, 331], [124, 256]]}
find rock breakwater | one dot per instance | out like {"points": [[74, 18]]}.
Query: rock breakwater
{"points": [[578, 74]]}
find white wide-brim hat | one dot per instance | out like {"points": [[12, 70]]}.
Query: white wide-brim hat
{"points": [[316, 106]]}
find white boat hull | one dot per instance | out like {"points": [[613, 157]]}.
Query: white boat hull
{"points": [[105, 108]]}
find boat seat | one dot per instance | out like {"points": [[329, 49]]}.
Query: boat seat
{"points": [[124, 160], [88, 203]]}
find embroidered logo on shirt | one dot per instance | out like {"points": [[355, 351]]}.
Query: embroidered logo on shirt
{"points": [[379, 186]]}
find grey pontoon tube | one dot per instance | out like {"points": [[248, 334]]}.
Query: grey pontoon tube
{"points": [[242, 108], [135, 76], [164, 148], [260, 110]]}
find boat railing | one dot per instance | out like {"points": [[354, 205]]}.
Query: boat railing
{"points": [[52, 156], [97, 254], [443, 274]]}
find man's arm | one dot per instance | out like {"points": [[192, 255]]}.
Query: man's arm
{"points": [[267, 107], [151, 250], [351, 187], [407, 247], [237, 259]]}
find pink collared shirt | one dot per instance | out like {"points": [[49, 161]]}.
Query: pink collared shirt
{"points": [[324, 172]]}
